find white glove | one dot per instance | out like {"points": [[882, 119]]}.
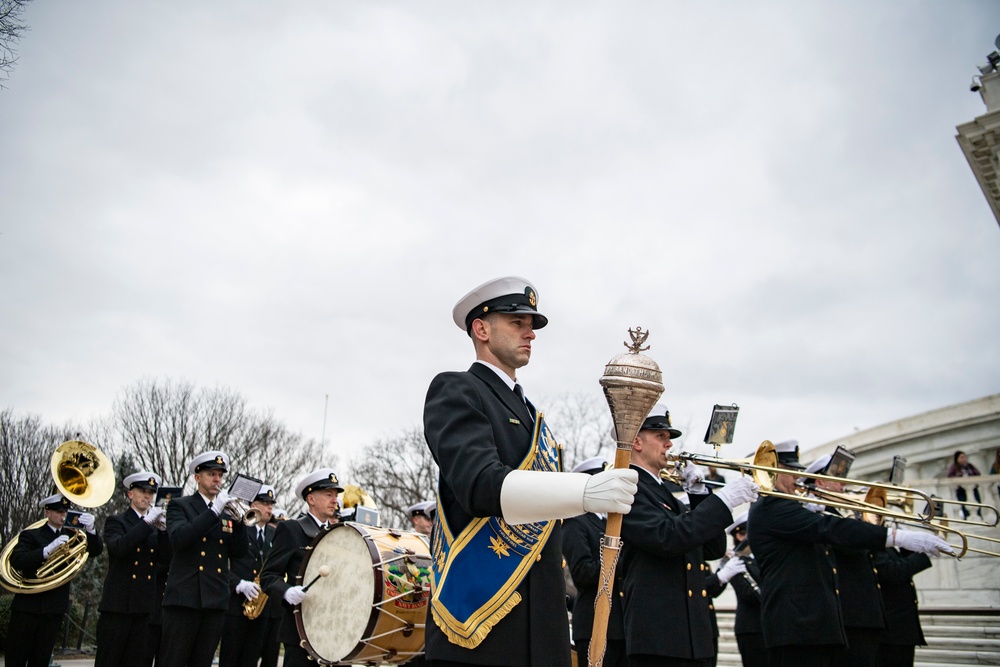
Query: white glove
{"points": [[248, 589], [912, 540], [53, 545], [219, 504], [295, 595], [611, 491], [153, 514], [739, 491], [732, 567], [87, 521], [814, 507], [694, 480], [528, 496]]}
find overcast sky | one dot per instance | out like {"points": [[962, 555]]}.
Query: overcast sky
{"points": [[287, 200]]}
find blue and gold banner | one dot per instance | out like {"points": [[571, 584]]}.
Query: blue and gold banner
{"points": [[488, 560]]}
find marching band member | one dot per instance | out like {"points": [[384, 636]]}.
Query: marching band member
{"points": [[860, 600], [498, 588], [800, 585], [243, 639], [319, 489], [137, 542], [746, 585], [420, 516], [581, 544], [203, 539], [667, 615], [896, 569], [35, 618]]}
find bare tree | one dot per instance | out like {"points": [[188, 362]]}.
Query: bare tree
{"points": [[397, 472], [163, 424], [26, 446], [12, 28]]}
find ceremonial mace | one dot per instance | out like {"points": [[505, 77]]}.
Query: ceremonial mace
{"points": [[632, 384]]}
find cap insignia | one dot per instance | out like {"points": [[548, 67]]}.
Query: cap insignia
{"points": [[531, 296], [152, 481], [333, 478], [218, 459], [270, 493]]}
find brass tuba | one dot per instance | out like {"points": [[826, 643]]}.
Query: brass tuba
{"points": [[85, 476]]}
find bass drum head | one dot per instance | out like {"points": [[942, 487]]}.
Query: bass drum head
{"points": [[336, 613]]}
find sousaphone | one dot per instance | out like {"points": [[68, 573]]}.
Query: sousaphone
{"points": [[85, 476]]}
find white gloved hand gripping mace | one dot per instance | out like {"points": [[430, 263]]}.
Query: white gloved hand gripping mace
{"points": [[632, 384]]}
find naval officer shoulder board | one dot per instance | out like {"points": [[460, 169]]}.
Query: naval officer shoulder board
{"points": [[488, 560]]}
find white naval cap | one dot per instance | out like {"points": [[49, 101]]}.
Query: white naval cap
{"points": [[511, 294], [279, 513], [323, 478], [788, 454], [594, 463], [213, 460], [56, 502], [424, 508], [819, 465], [741, 520], [265, 494], [143, 479]]}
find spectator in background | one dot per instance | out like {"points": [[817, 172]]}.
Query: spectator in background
{"points": [[995, 469], [960, 467]]}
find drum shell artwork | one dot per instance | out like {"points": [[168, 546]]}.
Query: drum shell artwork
{"points": [[372, 606]]}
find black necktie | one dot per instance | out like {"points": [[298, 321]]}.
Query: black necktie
{"points": [[527, 404], [260, 540]]}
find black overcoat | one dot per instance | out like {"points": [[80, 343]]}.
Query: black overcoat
{"points": [[26, 557], [202, 543], [859, 587], [134, 549], [799, 583], [582, 550], [478, 430], [665, 547], [895, 574]]}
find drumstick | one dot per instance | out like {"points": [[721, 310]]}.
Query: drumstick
{"points": [[324, 571]]}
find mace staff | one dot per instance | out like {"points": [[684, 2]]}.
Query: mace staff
{"points": [[632, 384]]}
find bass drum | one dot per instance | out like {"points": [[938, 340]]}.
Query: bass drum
{"points": [[372, 606]]}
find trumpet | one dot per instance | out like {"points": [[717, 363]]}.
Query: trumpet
{"points": [[240, 511], [763, 467]]}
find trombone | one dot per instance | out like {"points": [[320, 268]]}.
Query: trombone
{"points": [[763, 467], [942, 526]]}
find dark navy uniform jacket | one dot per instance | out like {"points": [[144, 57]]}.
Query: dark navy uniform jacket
{"points": [[747, 600], [202, 544], [800, 585], [665, 547], [896, 568], [134, 550], [478, 430]]}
